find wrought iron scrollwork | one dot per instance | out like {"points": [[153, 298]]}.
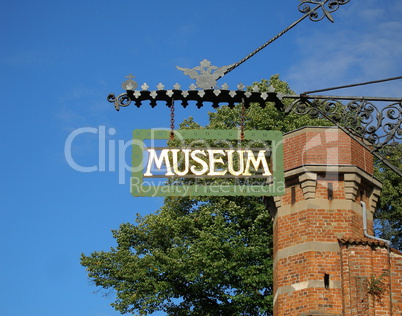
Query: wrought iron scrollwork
{"points": [[327, 7], [379, 126], [214, 96], [122, 100]]}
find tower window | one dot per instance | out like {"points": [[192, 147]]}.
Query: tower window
{"points": [[326, 281], [330, 191], [293, 195]]}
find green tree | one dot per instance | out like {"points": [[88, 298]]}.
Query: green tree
{"points": [[199, 256], [388, 223]]}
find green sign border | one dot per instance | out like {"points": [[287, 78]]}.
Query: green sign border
{"points": [[276, 188]]}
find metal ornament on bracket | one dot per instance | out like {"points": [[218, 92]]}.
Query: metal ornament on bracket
{"points": [[378, 126], [205, 75], [377, 129], [327, 8]]}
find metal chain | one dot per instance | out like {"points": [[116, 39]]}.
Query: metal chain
{"points": [[172, 121], [242, 120]]}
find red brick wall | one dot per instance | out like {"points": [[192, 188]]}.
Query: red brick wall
{"points": [[318, 225], [311, 241], [329, 146], [365, 266], [396, 282]]}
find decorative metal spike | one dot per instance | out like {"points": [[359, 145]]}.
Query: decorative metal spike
{"points": [[176, 86], [160, 86], [130, 84], [271, 88], [240, 87], [205, 74], [248, 94], [144, 87], [256, 88], [169, 93], [201, 93], [153, 94], [184, 94], [225, 86], [327, 7], [217, 92], [193, 87], [232, 93]]}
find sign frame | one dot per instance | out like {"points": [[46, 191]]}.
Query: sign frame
{"points": [[275, 188]]}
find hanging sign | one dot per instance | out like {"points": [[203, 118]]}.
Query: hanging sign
{"points": [[208, 163]]}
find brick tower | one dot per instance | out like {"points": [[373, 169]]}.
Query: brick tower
{"points": [[323, 262]]}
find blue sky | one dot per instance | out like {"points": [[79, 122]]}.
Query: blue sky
{"points": [[60, 59]]}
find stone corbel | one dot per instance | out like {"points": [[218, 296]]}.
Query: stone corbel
{"points": [[278, 201], [308, 183], [352, 183], [374, 197]]}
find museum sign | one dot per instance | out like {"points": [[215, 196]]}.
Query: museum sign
{"points": [[207, 163]]}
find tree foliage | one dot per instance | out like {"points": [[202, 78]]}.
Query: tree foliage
{"points": [[389, 212], [199, 256], [208, 257]]}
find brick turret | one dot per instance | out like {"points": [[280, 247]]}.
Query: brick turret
{"points": [[323, 263]]}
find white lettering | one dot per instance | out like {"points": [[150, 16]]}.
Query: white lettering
{"points": [[241, 162], [176, 161], [158, 162], [213, 160], [261, 159], [210, 162], [197, 159]]}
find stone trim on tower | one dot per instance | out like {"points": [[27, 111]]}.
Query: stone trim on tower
{"points": [[308, 183], [352, 184], [318, 220]]}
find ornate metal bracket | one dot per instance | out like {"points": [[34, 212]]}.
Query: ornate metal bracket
{"points": [[381, 128], [377, 128], [214, 96], [327, 8], [205, 79]]}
